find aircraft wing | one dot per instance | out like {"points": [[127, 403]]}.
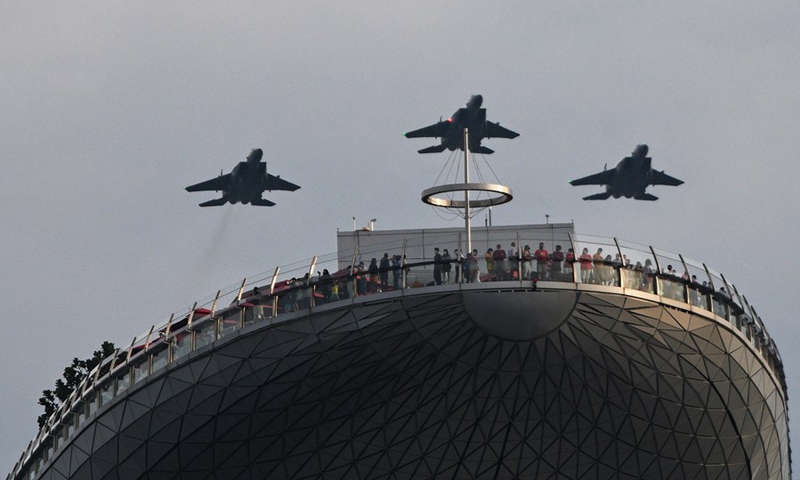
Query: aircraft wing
{"points": [[219, 183], [661, 178], [277, 183], [436, 130], [494, 130], [602, 178]]}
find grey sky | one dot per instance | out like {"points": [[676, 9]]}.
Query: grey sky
{"points": [[110, 108]]}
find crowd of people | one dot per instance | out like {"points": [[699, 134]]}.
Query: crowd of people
{"points": [[391, 272]]}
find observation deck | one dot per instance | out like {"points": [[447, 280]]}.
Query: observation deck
{"points": [[614, 366]]}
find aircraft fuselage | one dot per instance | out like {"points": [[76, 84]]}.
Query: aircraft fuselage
{"points": [[473, 117], [451, 131], [246, 184], [631, 177]]}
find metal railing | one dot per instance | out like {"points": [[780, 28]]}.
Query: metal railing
{"points": [[303, 286]]}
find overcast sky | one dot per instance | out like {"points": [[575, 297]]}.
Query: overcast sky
{"points": [[109, 109]]}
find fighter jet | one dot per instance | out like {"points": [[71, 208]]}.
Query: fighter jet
{"points": [[244, 184], [629, 179], [451, 131]]}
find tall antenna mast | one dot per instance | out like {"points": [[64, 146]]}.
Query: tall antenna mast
{"points": [[502, 194]]}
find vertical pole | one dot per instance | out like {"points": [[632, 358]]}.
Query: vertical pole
{"points": [[272, 295], [467, 214], [403, 264], [241, 291]]}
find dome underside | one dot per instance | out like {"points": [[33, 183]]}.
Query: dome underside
{"points": [[612, 387]]}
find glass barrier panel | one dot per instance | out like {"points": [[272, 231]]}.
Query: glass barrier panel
{"points": [[762, 329], [106, 391], [471, 266], [91, 402], [360, 279], [123, 382], [559, 269], [105, 367], [639, 263], [506, 266], [303, 296], [417, 275], [718, 306], [69, 426], [597, 259], [493, 257], [737, 305], [257, 313], [182, 344], [375, 272], [672, 276], [633, 279], [670, 265], [119, 361], [546, 260], [459, 268], [286, 300], [160, 357], [527, 263], [344, 287], [698, 297], [697, 275], [58, 436], [608, 271], [671, 287], [719, 296], [141, 369], [50, 450], [230, 322], [205, 332], [698, 284], [80, 413], [339, 289]]}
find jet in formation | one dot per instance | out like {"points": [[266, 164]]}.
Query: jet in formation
{"points": [[245, 184], [451, 131], [629, 179]]}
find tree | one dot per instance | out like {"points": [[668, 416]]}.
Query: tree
{"points": [[74, 374]]}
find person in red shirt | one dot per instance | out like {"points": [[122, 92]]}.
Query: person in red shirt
{"points": [[541, 257], [586, 266], [569, 265]]}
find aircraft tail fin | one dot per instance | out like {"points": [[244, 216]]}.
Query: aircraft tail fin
{"points": [[646, 196], [262, 202], [433, 149], [214, 203], [598, 196]]}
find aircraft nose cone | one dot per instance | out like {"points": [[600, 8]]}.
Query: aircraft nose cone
{"points": [[255, 153], [476, 100]]}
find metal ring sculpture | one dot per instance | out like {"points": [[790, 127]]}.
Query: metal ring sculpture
{"points": [[503, 195]]}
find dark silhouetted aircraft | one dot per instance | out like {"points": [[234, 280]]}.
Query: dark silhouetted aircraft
{"points": [[451, 131], [244, 184], [629, 179]]}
